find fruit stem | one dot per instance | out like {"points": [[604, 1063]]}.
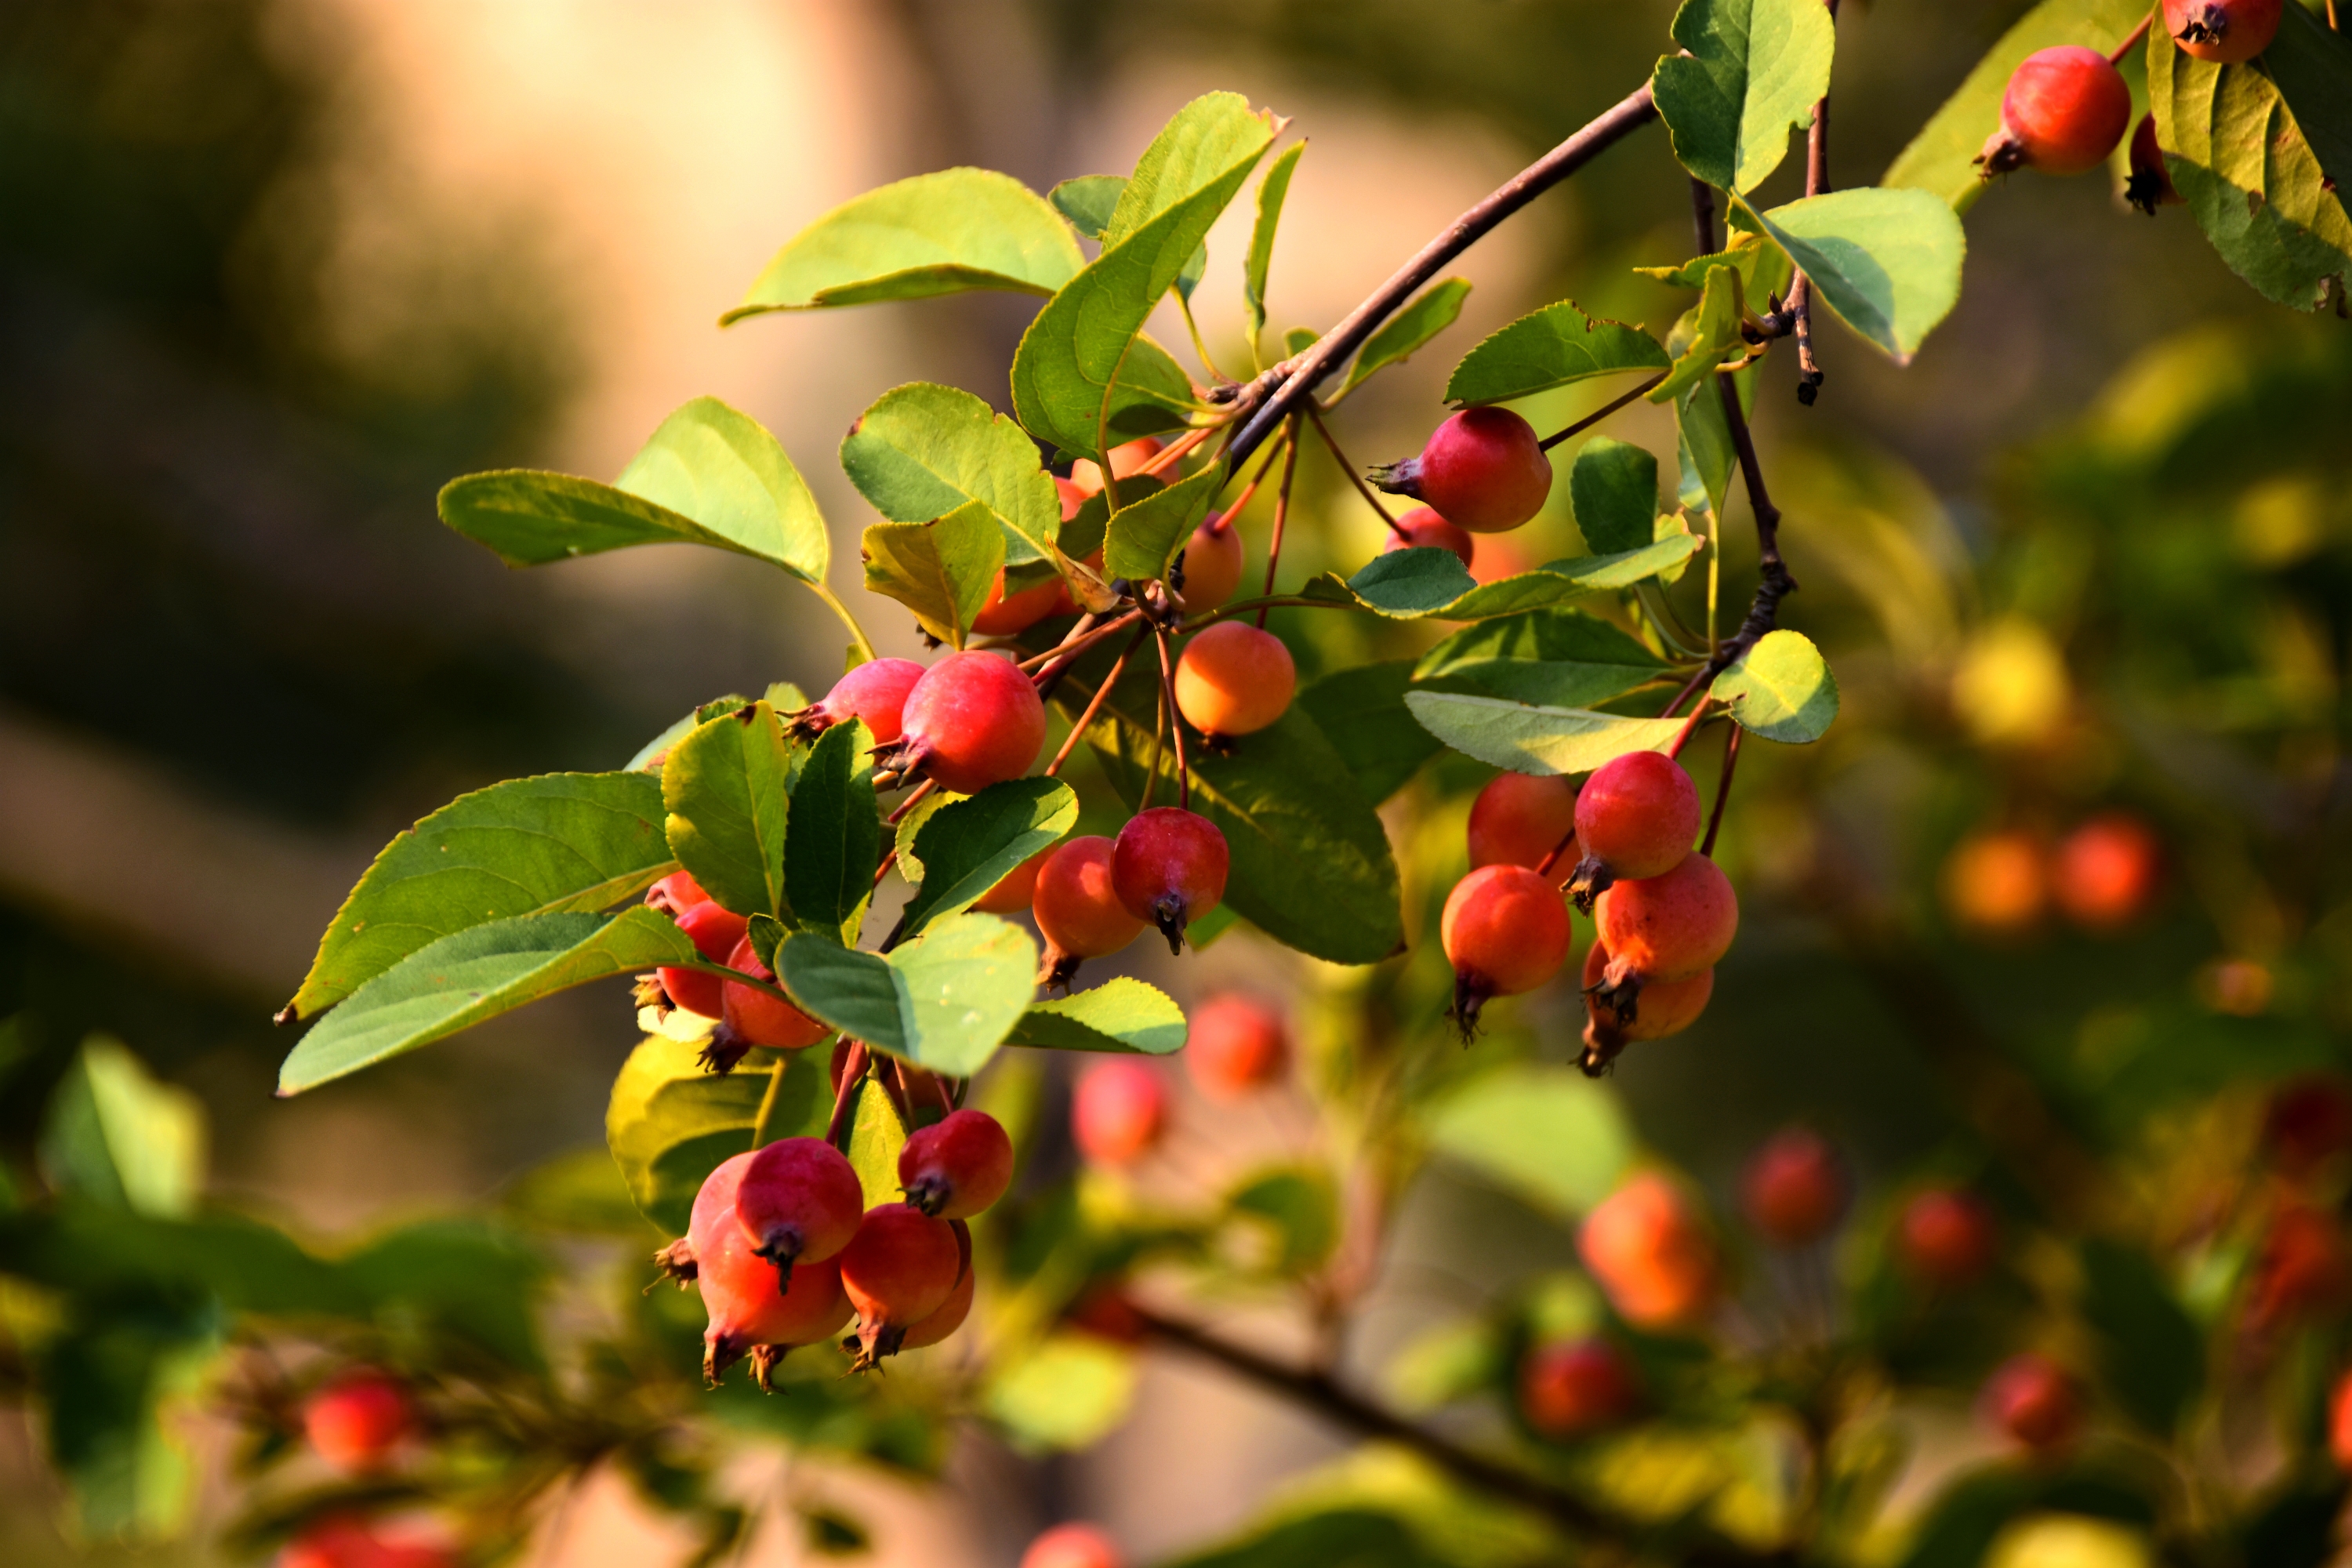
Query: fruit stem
{"points": [[1281, 514], [1250, 489], [1174, 452], [853, 1071], [1800, 292], [1159, 745], [1070, 646], [1598, 414], [1176, 723], [1543, 867], [1683, 695], [1354, 478], [1722, 792], [858, 638], [914, 798], [1690, 728], [2132, 41], [1094, 703]]}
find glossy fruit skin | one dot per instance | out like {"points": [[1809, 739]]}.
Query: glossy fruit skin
{"points": [[1520, 819], [756, 1018], [1077, 907], [958, 1165], [714, 931], [899, 1268], [950, 1315], [2340, 1422], [1017, 890], [1483, 470], [797, 1200], [2149, 186], [1505, 930], [2106, 873], [1235, 1043], [1650, 1254], [1234, 679], [357, 1419], [1212, 563], [1662, 1008], [875, 691], [1667, 927], [2065, 110], [1118, 1111], [1072, 1546], [1576, 1388], [1947, 1238], [1997, 883], [2034, 1401], [973, 720], [2308, 1122], [1423, 529], [1125, 459], [676, 893], [738, 1290], [1636, 816], [1795, 1188], [2227, 32], [1002, 617], [1167, 866]]}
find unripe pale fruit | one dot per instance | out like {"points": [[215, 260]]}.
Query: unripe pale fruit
{"points": [[2227, 32], [2106, 872], [1650, 1253], [950, 1315], [1212, 563], [1000, 617], [1017, 888], [2149, 184], [676, 893], [1667, 927], [714, 930], [1795, 1188], [1078, 909], [1234, 679], [2340, 1422], [2034, 1401], [1997, 883], [1947, 1238], [875, 691], [1504, 930], [1483, 470], [1125, 459], [2308, 1122], [1423, 529], [899, 1268], [2065, 110], [957, 1166], [1519, 819], [1072, 1546], [1570, 1389], [355, 1421], [973, 720], [798, 1200], [752, 1017], [1233, 1045], [1118, 1111], [1635, 818], [1169, 867], [1653, 1012]]}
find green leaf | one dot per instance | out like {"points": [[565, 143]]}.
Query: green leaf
{"points": [[2242, 163], [1361, 710], [1086, 531], [128, 1471], [1330, 1538], [1072, 353], [671, 1122], [1144, 535], [539, 846], [944, 1001], [1781, 689], [1707, 334], [115, 1136], [877, 1135], [935, 233], [965, 849], [1549, 348], [1271, 191], [720, 468], [1613, 490], [1764, 269], [650, 756], [1753, 72], [1552, 657], [1411, 584], [1299, 340], [834, 839], [458, 1277], [1436, 309], [1299, 1207], [1547, 1134], [922, 451], [1067, 1394], [1704, 447], [725, 790], [2313, 67], [1529, 739], [910, 863], [940, 570], [1887, 261], [2150, 1351], [457, 981], [1090, 200], [1120, 1015]]}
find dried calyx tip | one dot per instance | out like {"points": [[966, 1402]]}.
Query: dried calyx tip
{"points": [[1168, 915], [722, 1050], [1401, 479], [676, 1262], [1470, 994]]}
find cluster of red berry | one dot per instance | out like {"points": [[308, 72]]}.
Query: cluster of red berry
{"points": [[358, 1421], [1233, 1045], [2104, 876]]}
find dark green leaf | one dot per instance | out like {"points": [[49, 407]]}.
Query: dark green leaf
{"points": [[944, 1001], [966, 847], [1781, 689], [1119, 1016], [922, 451], [720, 468], [1704, 445], [1271, 190], [459, 1278], [1361, 710], [1887, 261], [1753, 71], [2313, 67], [1547, 1134], [1410, 584], [2153, 1357], [1556, 658], [1145, 534], [671, 1122], [1299, 340], [1551, 347], [940, 570], [1087, 201], [115, 1136], [1526, 740], [128, 1475], [834, 840], [1613, 488], [1436, 309], [724, 788]]}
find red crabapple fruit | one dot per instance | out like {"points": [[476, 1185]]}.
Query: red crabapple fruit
{"points": [[1504, 930], [899, 1268], [1650, 1253], [2340, 1422], [1003, 616], [1016, 890], [1212, 563], [1125, 459], [2063, 112], [1234, 679], [355, 1420], [2105, 873], [676, 893], [2227, 32], [342, 1542], [1665, 928], [875, 691], [1077, 908], [1167, 866], [957, 1166], [750, 1016], [1118, 1111], [1524, 819], [2033, 1400], [1795, 1188], [751, 1302], [973, 720], [1235, 1043], [1072, 1546], [1423, 529], [950, 1315], [2149, 186], [1576, 1388], [714, 930], [797, 1200], [1635, 818], [1947, 1238], [1652, 1011], [1483, 470]]}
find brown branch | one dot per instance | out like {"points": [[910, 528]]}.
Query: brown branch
{"points": [[1722, 792], [845, 1094], [1800, 292]]}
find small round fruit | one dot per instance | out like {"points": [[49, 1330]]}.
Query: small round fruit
{"points": [[1520, 819], [1947, 1238], [1125, 459], [2340, 1422], [1795, 1188], [1423, 529], [2106, 872], [2149, 184], [1574, 1388], [1655, 1011], [2227, 32], [2065, 110], [1504, 930], [1169, 867], [1071, 495], [357, 1419], [798, 1200], [1235, 1043], [2308, 1122], [2034, 1401], [1650, 1253], [1016, 890], [1212, 563], [951, 1314], [753, 1017], [973, 720], [875, 691], [899, 1268], [676, 893], [957, 1166], [1635, 818], [714, 930], [1000, 617], [1997, 883], [1234, 679], [342, 1542], [747, 1308], [1118, 1111], [1078, 909], [1670, 927], [1483, 470], [1072, 1546]]}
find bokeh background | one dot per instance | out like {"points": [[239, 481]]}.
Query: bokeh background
{"points": [[271, 272]]}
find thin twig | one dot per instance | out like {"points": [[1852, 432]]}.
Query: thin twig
{"points": [[914, 798], [1094, 704], [1281, 513], [1069, 647], [1175, 720], [853, 1068], [1158, 746], [1800, 292], [1598, 414], [1354, 479], [1722, 791], [1701, 678], [2132, 41]]}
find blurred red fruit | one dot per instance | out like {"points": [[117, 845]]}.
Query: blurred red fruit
{"points": [[1235, 1043], [1520, 819], [1568, 1390], [1072, 1546], [1947, 1238], [2034, 1401], [1795, 1188], [1118, 1111], [2106, 872], [357, 1419], [1650, 1253]]}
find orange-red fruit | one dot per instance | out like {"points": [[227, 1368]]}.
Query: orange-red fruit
{"points": [[797, 1200], [899, 1268], [1017, 888], [1118, 1111], [2106, 872], [740, 1290], [1794, 1188], [2340, 1422], [875, 691], [1637, 815], [1505, 930], [714, 930], [1124, 459], [1484, 471], [676, 893], [1661, 1008], [1169, 867], [2226, 31], [1212, 563], [1650, 1253], [1423, 529], [1234, 679], [1235, 1043], [1997, 882], [1572, 1388], [2034, 1401], [951, 1314], [2308, 1122], [1072, 1546], [756, 1018], [2065, 110], [356, 1420], [2149, 184], [1668, 928], [1520, 818], [1077, 908], [1947, 1238], [1000, 617], [973, 720], [958, 1165], [348, 1543]]}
